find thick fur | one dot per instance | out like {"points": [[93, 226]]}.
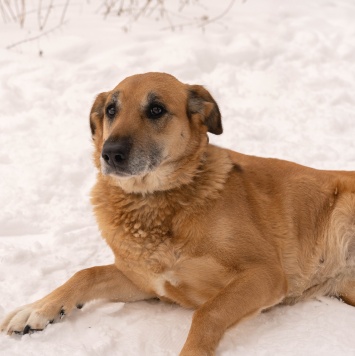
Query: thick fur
{"points": [[218, 231]]}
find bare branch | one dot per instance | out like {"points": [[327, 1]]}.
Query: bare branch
{"points": [[64, 11], [220, 15], [142, 10], [36, 37], [22, 13], [16, 9], [39, 15], [205, 21], [9, 10], [3, 12], [47, 15]]}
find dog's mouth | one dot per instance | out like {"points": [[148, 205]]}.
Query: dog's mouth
{"points": [[138, 164], [116, 172], [121, 158]]}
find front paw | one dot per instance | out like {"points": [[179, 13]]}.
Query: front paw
{"points": [[34, 317]]}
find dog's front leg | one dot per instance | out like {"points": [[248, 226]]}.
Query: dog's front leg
{"points": [[88, 284], [250, 292]]}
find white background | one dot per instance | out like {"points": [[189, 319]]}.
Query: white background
{"points": [[283, 73]]}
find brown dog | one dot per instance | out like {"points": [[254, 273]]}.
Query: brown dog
{"points": [[207, 228]]}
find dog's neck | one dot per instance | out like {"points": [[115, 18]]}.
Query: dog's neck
{"points": [[150, 212]]}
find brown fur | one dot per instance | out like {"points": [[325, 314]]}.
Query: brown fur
{"points": [[211, 229]]}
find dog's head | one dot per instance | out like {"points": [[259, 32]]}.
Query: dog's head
{"points": [[149, 128]]}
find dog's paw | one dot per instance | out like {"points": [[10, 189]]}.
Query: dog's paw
{"points": [[34, 317]]}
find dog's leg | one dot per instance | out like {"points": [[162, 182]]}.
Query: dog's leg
{"points": [[89, 284], [348, 293], [250, 292]]}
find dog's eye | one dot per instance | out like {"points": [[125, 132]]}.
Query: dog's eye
{"points": [[156, 111], [111, 111]]}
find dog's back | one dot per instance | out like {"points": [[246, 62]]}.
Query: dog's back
{"points": [[309, 215]]}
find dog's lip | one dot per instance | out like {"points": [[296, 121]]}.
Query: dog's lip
{"points": [[115, 171], [121, 174], [125, 172], [118, 173]]}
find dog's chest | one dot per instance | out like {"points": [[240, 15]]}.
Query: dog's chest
{"points": [[142, 242], [142, 249], [150, 256], [149, 259], [154, 241]]}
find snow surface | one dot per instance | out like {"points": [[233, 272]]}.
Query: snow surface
{"points": [[283, 73]]}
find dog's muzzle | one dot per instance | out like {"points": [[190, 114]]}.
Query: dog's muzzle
{"points": [[115, 156]]}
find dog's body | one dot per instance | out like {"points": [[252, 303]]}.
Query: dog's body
{"points": [[207, 228]]}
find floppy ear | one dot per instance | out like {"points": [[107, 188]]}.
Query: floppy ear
{"points": [[201, 101], [97, 115]]}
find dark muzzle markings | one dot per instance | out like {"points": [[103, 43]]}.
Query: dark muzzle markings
{"points": [[115, 155]]}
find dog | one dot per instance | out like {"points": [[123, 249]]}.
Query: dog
{"points": [[224, 233]]}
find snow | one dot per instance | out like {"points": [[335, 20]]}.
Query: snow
{"points": [[283, 74]]}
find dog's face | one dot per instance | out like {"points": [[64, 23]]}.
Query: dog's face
{"points": [[148, 125]]}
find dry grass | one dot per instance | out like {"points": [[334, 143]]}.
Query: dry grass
{"points": [[50, 15], [18, 10], [134, 10]]}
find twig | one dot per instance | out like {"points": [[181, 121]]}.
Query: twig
{"points": [[23, 13], [64, 11], [36, 37], [205, 22], [9, 9], [142, 10], [153, 8], [47, 15], [220, 15], [165, 13], [16, 9], [109, 7], [120, 10], [3, 13], [39, 15]]}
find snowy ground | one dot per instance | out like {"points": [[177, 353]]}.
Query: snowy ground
{"points": [[283, 73]]}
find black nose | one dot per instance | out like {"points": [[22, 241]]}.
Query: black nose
{"points": [[115, 152]]}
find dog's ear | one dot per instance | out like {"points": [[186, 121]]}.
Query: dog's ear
{"points": [[201, 101], [97, 115]]}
